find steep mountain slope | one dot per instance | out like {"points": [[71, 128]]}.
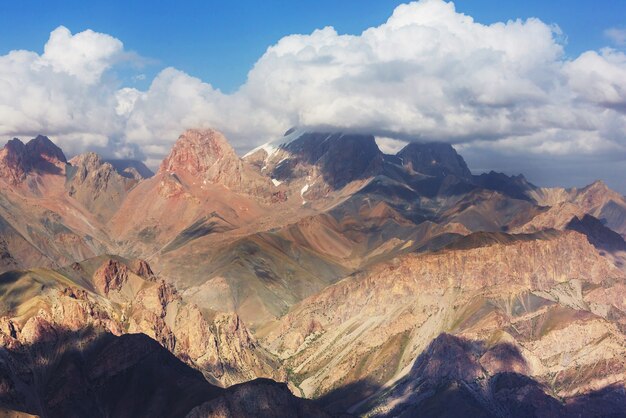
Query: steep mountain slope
{"points": [[201, 188], [318, 162], [97, 185], [204, 156], [116, 296], [596, 200], [40, 224], [365, 331], [459, 377], [434, 159], [597, 233]]}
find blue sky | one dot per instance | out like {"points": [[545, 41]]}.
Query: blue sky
{"points": [[219, 41]]}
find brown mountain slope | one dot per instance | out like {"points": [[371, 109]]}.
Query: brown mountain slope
{"points": [[46, 227], [455, 376], [261, 275], [109, 295], [41, 225], [205, 156], [97, 185], [367, 329], [201, 188], [346, 261], [595, 199]]}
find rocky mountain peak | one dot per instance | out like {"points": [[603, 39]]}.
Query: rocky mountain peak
{"points": [[14, 146], [434, 159], [337, 157], [39, 154], [111, 275], [129, 168], [96, 184], [598, 234], [197, 151], [597, 189], [89, 161], [90, 166], [514, 186], [12, 165], [204, 156], [598, 184], [41, 147]]}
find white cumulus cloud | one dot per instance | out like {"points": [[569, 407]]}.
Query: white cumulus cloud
{"points": [[61, 92], [506, 90], [85, 55]]}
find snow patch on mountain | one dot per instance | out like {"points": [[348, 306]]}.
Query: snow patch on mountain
{"points": [[273, 146]]}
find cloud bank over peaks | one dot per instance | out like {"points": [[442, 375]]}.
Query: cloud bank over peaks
{"points": [[505, 90], [62, 92]]}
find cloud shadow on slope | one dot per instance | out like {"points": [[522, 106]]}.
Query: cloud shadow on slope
{"points": [[456, 377]]}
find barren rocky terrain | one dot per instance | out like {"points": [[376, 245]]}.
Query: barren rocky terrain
{"points": [[314, 276]]}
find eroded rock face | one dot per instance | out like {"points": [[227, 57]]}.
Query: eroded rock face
{"points": [[370, 327], [198, 151], [110, 276], [97, 185], [219, 345], [39, 154], [13, 166], [205, 156], [142, 269]]}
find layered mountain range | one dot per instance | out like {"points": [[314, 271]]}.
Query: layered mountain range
{"points": [[314, 276]]}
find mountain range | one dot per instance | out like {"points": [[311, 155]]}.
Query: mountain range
{"points": [[314, 276]]}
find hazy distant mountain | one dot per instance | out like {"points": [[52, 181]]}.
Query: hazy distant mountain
{"points": [[434, 159], [131, 168]]}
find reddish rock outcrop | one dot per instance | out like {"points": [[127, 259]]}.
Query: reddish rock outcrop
{"points": [[142, 269], [110, 276], [205, 156], [39, 154], [13, 166]]}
